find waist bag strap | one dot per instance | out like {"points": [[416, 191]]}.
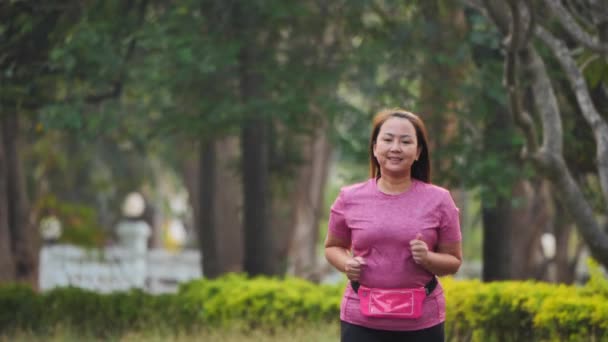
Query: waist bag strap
{"points": [[428, 288]]}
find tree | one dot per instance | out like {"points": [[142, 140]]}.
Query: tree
{"points": [[50, 81], [7, 266], [524, 29], [25, 51], [218, 78]]}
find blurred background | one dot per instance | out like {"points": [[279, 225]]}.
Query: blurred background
{"points": [[146, 142]]}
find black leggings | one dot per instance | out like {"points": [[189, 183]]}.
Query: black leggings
{"points": [[356, 333]]}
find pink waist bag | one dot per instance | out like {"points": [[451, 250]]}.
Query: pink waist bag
{"points": [[391, 303]]}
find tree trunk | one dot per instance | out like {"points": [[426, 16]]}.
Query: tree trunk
{"points": [[258, 242], [221, 209], [530, 218], [512, 231], [25, 242], [227, 205], [497, 211], [255, 166], [7, 266], [565, 261], [497, 248], [283, 221], [308, 205], [206, 227]]}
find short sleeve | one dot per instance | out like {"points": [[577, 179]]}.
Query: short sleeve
{"points": [[449, 228], [337, 220]]}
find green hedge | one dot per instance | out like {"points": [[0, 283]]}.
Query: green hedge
{"points": [[500, 311], [527, 311], [256, 302], [262, 302], [89, 312]]}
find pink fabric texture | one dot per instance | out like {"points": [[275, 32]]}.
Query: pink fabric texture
{"points": [[380, 227]]}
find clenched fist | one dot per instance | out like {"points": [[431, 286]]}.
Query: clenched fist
{"points": [[419, 248], [353, 267]]}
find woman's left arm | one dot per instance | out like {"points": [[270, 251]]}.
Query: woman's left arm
{"points": [[446, 260]]}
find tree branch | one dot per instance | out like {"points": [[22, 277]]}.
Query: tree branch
{"points": [[521, 117], [531, 23], [599, 13], [576, 12], [110, 94], [117, 85], [545, 101], [496, 10], [549, 158], [570, 195], [590, 113], [573, 28]]}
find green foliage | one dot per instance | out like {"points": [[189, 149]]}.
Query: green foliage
{"points": [[79, 222], [266, 303], [495, 311], [526, 311], [89, 312], [595, 68], [577, 314], [262, 302], [19, 305], [488, 146], [111, 313], [499, 311], [572, 318], [597, 284]]}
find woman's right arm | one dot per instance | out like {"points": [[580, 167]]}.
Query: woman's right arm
{"points": [[337, 252]]}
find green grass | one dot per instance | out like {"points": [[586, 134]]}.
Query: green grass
{"points": [[312, 333]]}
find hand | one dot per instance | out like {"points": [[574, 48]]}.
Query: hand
{"points": [[420, 250], [353, 267]]}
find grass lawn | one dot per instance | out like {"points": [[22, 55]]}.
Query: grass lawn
{"points": [[313, 333]]}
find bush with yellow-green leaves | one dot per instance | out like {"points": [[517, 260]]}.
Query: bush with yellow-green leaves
{"points": [[499, 311], [527, 310]]}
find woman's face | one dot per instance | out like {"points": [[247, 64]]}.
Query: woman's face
{"points": [[396, 147]]}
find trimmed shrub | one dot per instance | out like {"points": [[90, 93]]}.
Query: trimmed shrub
{"points": [[89, 312], [20, 307], [498, 311], [262, 301]]}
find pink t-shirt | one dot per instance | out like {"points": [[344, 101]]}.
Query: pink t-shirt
{"points": [[380, 228]]}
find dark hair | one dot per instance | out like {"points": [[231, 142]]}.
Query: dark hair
{"points": [[421, 169]]}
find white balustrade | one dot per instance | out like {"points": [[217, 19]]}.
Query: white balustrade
{"points": [[117, 268]]}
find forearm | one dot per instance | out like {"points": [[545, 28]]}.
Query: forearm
{"points": [[441, 263], [337, 257]]}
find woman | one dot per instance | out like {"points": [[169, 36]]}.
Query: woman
{"points": [[391, 236]]}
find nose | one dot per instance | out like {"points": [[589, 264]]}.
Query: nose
{"points": [[395, 146]]}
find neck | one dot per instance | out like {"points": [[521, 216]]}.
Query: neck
{"points": [[394, 185]]}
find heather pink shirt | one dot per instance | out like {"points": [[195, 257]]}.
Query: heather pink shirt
{"points": [[380, 228]]}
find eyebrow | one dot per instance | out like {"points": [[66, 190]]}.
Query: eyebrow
{"points": [[402, 136]]}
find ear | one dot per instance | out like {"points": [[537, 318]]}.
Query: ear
{"points": [[419, 152], [374, 150]]}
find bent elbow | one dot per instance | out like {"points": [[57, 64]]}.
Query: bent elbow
{"points": [[451, 269], [455, 267]]}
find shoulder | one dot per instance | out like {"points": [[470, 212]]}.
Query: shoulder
{"points": [[433, 189], [437, 192], [356, 189]]}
